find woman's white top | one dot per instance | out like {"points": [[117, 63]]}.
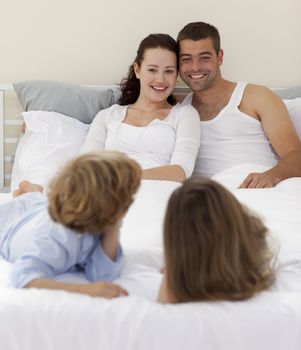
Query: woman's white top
{"points": [[232, 138], [173, 140]]}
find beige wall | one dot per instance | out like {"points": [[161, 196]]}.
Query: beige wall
{"points": [[94, 41]]}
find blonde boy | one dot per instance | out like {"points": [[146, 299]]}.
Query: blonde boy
{"points": [[74, 228]]}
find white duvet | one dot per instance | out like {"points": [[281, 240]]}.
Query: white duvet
{"points": [[41, 319]]}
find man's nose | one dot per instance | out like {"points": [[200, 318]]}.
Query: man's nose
{"points": [[195, 65]]}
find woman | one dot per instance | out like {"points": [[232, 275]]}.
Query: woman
{"points": [[147, 124]]}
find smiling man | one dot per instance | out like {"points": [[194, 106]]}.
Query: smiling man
{"points": [[240, 122]]}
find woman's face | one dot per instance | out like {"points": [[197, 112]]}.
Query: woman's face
{"points": [[157, 74]]}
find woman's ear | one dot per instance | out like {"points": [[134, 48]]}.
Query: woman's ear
{"points": [[137, 70]]}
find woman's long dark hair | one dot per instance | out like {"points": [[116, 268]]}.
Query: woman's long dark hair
{"points": [[130, 85]]}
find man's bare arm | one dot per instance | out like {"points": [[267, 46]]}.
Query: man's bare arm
{"points": [[276, 123]]}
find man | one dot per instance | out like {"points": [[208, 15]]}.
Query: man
{"points": [[241, 123]]}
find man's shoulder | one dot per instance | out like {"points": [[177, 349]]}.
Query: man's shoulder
{"points": [[254, 89], [256, 95]]}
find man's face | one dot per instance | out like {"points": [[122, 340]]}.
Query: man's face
{"points": [[199, 65]]}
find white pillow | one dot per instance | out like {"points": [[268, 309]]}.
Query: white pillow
{"points": [[294, 110], [49, 141]]}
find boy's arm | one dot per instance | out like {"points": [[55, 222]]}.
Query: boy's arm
{"points": [[96, 289], [110, 240], [106, 260], [51, 250]]}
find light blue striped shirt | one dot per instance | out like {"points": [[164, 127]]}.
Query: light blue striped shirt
{"points": [[41, 248]]}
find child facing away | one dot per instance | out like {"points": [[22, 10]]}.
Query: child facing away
{"points": [[75, 227], [215, 249]]}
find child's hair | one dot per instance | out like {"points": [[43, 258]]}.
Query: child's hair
{"points": [[94, 191], [214, 247]]}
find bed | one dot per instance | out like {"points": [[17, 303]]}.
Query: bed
{"points": [[42, 319]]}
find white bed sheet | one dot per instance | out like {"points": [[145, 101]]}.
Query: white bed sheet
{"points": [[41, 319]]}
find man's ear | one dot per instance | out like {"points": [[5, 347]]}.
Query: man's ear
{"points": [[137, 70], [220, 57]]}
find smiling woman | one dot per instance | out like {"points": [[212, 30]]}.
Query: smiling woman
{"points": [[147, 124]]}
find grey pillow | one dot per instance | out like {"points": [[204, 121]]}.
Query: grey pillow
{"points": [[76, 101], [288, 93]]}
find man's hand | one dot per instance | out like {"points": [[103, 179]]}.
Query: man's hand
{"points": [[260, 180], [103, 289]]}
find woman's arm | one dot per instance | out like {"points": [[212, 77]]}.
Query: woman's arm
{"points": [[97, 289], [97, 134], [166, 172], [187, 143], [188, 139]]}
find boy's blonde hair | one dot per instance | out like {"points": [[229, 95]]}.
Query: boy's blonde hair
{"points": [[214, 247], [94, 191]]}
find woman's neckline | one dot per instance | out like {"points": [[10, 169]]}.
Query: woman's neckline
{"points": [[151, 122]]}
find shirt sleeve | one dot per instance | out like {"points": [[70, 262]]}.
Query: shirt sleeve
{"points": [[188, 138], [15, 207], [14, 213], [100, 267], [52, 251], [97, 134]]}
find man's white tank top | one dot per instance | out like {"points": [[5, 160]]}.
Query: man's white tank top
{"points": [[232, 138]]}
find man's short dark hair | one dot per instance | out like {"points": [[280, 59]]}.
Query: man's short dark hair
{"points": [[198, 31]]}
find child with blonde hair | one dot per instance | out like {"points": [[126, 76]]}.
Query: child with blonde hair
{"points": [[215, 249], [74, 228]]}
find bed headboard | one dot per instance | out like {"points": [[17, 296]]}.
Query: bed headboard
{"points": [[1, 136], [10, 125]]}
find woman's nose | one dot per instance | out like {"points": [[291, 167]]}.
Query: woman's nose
{"points": [[160, 78]]}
